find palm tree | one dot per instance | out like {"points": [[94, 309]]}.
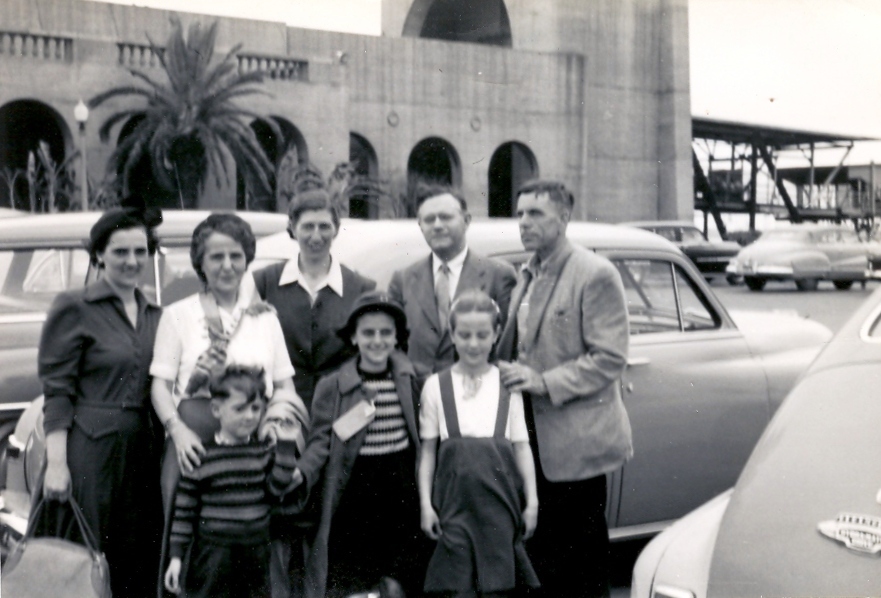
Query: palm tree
{"points": [[189, 122]]}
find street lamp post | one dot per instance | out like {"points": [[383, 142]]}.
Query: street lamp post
{"points": [[81, 115]]}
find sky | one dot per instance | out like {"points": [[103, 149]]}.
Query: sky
{"points": [[805, 64]]}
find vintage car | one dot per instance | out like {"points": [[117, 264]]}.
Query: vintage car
{"points": [[41, 255], [806, 254], [710, 257], [700, 386], [804, 518]]}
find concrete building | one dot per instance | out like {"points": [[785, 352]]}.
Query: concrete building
{"points": [[483, 95]]}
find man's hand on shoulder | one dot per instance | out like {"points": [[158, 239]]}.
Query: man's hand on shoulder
{"points": [[521, 378]]}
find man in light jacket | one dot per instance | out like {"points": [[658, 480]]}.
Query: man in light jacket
{"points": [[565, 347]]}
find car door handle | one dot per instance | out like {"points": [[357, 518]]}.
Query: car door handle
{"points": [[636, 361]]}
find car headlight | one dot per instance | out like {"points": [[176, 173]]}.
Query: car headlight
{"points": [[665, 591]]}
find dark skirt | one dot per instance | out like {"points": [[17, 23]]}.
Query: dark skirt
{"points": [[115, 480], [375, 530]]}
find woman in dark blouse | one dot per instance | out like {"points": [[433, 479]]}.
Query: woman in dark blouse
{"points": [[101, 442]]}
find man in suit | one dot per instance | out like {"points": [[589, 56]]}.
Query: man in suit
{"points": [[427, 288], [565, 347]]}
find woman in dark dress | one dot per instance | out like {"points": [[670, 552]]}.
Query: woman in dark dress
{"points": [[101, 442]]}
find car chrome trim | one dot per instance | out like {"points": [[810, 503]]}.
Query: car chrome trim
{"points": [[14, 442], [860, 533], [642, 530], [873, 320], [636, 361], [14, 406], [32, 318], [664, 591]]}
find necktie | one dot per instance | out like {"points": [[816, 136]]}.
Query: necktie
{"points": [[442, 292]]}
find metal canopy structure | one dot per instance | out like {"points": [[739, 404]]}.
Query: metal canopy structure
{"points": [[750, 149]]}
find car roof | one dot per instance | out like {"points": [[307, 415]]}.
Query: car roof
{"points": [[660, 224], [72, 228]]}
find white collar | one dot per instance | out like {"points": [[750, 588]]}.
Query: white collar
{"points": [[291, 273], [455, 265]]}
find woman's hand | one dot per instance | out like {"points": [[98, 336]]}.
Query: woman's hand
{"points": [[430, 523], [172, 576], [530, 520], [187, 446], [56, 485]]}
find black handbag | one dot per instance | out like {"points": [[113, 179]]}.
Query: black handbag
{"points": [[46, 566]]}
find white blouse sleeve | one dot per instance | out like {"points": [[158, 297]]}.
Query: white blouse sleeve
{"points": [[282, 368], [168, 347], [517, 420], [429, 421]]}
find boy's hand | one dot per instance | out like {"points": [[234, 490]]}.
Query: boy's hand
{"points": [[530, 520], [269, 432], [430, 523], [296, 480], [172, 576]]}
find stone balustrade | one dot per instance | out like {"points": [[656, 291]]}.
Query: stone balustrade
{"points": [[275, 67], [34, 45], [131, 55]]}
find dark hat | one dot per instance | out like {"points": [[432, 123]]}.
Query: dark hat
{"points": [[116, 219], [376, 301]]}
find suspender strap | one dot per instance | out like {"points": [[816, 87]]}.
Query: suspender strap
{"points": [[448, 400], [502, 415]]}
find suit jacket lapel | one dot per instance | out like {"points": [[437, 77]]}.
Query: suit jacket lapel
{"points": [[423, 286], [473, 275], [506, 345]]}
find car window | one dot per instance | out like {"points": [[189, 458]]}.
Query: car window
{"points": [[692, 235], [696, 311], [661, 297], [667, 233], [31, 278], [179, 280]]}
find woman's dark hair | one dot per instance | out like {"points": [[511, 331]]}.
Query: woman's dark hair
{"points": [[312, 199], [248, 380], [475, 301], [227, 224], [116, 219]]}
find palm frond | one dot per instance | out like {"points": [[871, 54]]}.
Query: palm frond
{"points": [[107, 126]]}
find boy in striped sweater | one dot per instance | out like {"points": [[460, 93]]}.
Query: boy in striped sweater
{"points": [[221, 509]]}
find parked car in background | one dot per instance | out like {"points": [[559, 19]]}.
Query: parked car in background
{"points": [[42, 255], [710, 257], [806, 254], [700, 386], [804, 518]]}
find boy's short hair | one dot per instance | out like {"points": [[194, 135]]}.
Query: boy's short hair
{"points": [[248, 380], [475, 300]]}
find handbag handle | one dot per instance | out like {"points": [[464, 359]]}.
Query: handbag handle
{"points": [[37, 506]]}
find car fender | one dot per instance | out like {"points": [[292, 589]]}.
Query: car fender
{"points": [[808, 263], [786, 344], [679, 558]]}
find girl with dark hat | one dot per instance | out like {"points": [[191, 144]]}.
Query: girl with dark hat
{"points": [[101, 444], [360, 460]]}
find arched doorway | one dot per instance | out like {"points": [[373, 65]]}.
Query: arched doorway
{"points": [[362, 159], [484, 22], [433, 160], [287, 154], [511, 165], [23, 125]]}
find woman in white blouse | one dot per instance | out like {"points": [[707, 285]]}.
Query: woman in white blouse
{"points": [[226, 323]]}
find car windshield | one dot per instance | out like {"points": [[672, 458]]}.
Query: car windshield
{"points": [[785, 235], [691, 235]]}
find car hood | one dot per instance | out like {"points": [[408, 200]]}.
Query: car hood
{"points": [[818, 458], [780, 330]]}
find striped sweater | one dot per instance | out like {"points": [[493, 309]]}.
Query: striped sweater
{"points": [[387, 433], [227, 499]]}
